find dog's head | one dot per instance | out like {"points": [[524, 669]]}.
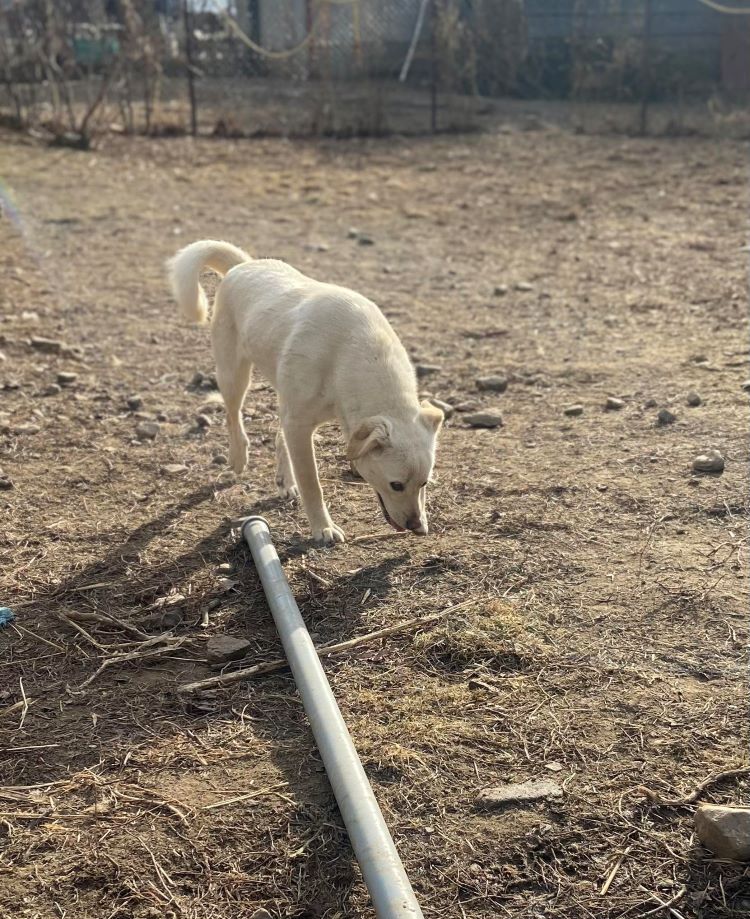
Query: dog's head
{"points": [[396, 458]]}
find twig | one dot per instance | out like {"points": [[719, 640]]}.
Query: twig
{"points": [[616, 867], [24, 703], [106, 619], [696, 792], [129, 656], [373, 536], [252, 794], [83, 632], [664, 904], [238, 676]]}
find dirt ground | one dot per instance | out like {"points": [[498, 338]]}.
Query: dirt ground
{"points": [[602, 638]]}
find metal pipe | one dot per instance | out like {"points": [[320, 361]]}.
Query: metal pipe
{"points": [[384, 875]]}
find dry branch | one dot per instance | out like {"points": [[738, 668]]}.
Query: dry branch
{"points": [[247, 673], [696, 792]]}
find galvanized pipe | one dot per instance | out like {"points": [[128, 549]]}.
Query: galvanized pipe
{"points": [[391, 892]]}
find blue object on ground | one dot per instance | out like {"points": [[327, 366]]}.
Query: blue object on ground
{"points": [[6, 615]]}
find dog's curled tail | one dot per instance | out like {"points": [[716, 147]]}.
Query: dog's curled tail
{"points": [[185, 268]]}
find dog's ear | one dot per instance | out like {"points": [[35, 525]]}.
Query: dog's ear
{"points": [[431, 416], [373, 432]]}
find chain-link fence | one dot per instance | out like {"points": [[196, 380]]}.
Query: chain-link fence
{"points": [[364, 67]]}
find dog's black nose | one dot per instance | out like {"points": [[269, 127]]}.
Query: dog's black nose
{"points": [[416, 526]]}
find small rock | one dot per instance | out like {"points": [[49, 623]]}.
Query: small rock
{"points": [[6, 483], [25, 429], [573, 411], [224, 568], [352, 233], [519, 791], [500, 290], [365, 240], [693, 399], [711, 461], [665, 417], [65, 378], [2, 357], [52, 390], [219, 459], [134, 403], [492, 384], [147, 430], [746, 385], [223, 648], [650, 403], [523, 286], [468, 406], [203, 421], [445, 407], [48, 345], [425, 370], [486, 419], [614, 405], [174, 469], [161, 416], [261, 914], [725, 830]]}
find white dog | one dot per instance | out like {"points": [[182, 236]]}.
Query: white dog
{"points": [[330, 354]]}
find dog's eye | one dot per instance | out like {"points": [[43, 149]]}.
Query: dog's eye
{"points": [[397, 486]]}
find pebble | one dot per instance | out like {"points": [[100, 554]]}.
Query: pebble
{"points": [[223, 648], [352, 233], [134, 403], [573, 410], [203, 421], [261, 914], [65, 377], [492, 384], [486, 419], [445, 407], [224, 568], [519, 791], [48, 345], [650, 403], [746, 385], [725, 830], [26, 429], [425, 370], [6, 483], [219, 459], [665, 417], [147, 430], [52, 390], [711, 461], [466, 406], [523, 286], [365, 240], [174, 469], [693, 399], [614, 405], [160, 416], [500, 290]]}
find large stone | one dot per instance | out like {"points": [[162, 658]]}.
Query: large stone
{"points": [[486, 419], [710, 461], [519, 792], [725, 830], [223, 648], [492, 384]]}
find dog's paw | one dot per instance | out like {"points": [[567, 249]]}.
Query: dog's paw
{"points": [[287, 491], [328, 535], [238, 457]]}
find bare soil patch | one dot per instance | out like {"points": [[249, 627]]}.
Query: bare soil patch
{"points": [[604, 644]]}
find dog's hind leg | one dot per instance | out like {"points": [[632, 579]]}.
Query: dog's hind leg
{"points": [[285, 480], [233, 373]]}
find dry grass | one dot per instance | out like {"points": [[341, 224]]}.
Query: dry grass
{"points": [[604, 641]]}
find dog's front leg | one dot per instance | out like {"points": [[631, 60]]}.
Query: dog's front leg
{"points": [[299, 442]]}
